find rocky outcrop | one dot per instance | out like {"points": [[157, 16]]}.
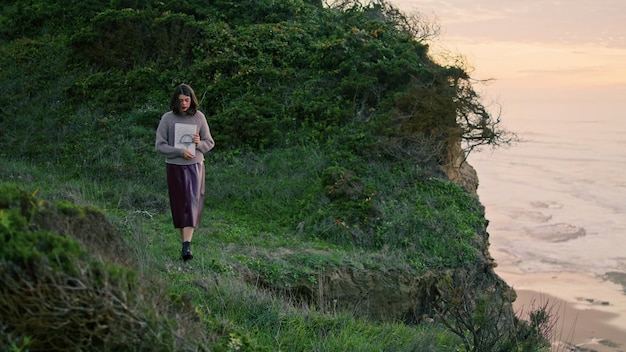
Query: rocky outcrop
{"points": [[463, 174], [460, 171], [382, 296], [394, 294]]}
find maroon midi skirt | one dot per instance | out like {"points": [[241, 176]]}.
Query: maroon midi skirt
{"points": [[185, 184]]}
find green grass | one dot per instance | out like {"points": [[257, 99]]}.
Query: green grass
{"points": [[235, 311], [277, 200], [259, 255]]}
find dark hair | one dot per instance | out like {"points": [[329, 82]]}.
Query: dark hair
{"points": [[184, 89]]}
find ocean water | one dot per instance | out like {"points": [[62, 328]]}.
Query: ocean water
{"points": [[557, 202]]}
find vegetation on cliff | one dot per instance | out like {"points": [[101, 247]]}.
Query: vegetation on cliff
{"points": [[330, 221]]}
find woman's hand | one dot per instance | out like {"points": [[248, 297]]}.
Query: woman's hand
{"points": [[187, 154], [196, 138]]}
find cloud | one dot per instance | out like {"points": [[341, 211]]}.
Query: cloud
{"points": [[535, 48], [574, 21], [569, 72]]}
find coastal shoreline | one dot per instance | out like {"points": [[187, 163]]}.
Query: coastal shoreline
{"points": [[595, 322]]}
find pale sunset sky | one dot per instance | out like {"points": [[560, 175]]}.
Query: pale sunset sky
{"points": [[536, 49]]}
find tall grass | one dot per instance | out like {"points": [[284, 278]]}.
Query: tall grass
{"points": [[266, 188]]}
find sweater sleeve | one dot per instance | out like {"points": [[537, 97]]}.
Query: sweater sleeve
{"points": [[162, 144], [206, 140]]}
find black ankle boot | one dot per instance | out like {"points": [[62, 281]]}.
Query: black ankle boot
{"points": [[186, 252]]}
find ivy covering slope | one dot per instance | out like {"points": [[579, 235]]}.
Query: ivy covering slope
{"points": [[268, 73]]}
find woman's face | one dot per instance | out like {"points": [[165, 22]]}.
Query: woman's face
{"points": [[184, 101]]}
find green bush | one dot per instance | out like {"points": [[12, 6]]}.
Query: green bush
{"points": [[41, 17], [56, 295]]}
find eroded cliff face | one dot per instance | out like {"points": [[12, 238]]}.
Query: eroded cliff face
{"points": [[398, 294], [377, 295], [464, 175], [460, 171]]}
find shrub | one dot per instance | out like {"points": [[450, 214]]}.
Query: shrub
{"points": [[56, 296], [479, 311]]}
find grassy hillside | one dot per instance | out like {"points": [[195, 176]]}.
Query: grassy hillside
{"points": [[329, 222]]}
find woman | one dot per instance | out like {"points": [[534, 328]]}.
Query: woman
{"points": [[183, 136]]}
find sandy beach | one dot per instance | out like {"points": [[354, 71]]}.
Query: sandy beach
{"points": [[594, 322]]}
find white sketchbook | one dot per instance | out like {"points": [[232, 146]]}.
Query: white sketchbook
{"points": [[183, 137]]}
